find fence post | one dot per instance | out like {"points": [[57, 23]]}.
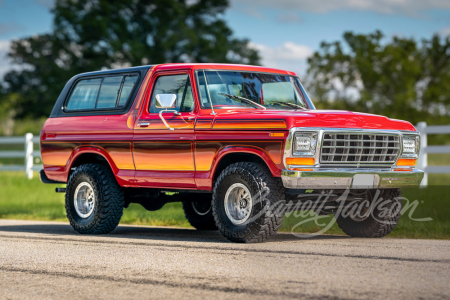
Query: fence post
{"points": [[29, 155], [423, 157]]}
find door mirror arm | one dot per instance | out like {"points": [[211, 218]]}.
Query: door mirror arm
{"points": [[175, 113]]}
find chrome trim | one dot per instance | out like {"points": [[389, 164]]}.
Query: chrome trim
{"points": [[414, 134], [326, 178], [360, 162], [288, 150]]}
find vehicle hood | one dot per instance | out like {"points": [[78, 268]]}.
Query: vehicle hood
{"points": [[319, 118]]}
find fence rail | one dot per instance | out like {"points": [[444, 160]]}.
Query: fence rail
{"points": [[29, 154], [425, 149]]}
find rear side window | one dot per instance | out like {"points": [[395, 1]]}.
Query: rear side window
{"points": [[112, 92], [85, 94]]}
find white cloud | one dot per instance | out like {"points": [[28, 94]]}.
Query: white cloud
{"points": [[288, 17], [445, 31], [45, 3], [406, 7], [288, 56], [10, 27]]}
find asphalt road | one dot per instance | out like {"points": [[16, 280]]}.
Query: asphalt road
{"points": [[47, 260]]}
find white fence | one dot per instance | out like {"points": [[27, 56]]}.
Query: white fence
{"points": [[29, 154], [425, 150]]}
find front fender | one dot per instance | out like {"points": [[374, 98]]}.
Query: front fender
{"points": [[205, 179]]}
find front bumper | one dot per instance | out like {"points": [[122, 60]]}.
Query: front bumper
{"points": [[350, 178]]}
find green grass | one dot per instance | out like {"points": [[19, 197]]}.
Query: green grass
{"points": [[25, 199], [433, 202]]}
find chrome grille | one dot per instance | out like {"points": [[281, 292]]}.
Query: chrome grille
{"points": [[359, 148]]}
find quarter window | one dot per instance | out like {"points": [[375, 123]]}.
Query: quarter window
{"points": [[109, 92], [85, 94], [127, 88], [102, 93]]}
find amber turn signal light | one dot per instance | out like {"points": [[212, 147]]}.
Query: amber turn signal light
{"points": [[406, 162], [303, 161], [277, 134], [297, 169]]}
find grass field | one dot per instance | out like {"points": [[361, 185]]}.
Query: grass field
{"points": [[25, 199]]}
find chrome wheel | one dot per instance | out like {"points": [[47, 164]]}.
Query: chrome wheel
{"points": [[238, 203], [84, 200], [201, 208]]}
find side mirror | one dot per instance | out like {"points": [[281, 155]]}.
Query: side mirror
{"points": [[165, 101]]}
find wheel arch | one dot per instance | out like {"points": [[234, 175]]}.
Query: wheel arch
{"points": [[85, 155], [230, 155]]}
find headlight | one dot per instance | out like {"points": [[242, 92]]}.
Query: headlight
{"points": [[411, 145], [305, 144]]}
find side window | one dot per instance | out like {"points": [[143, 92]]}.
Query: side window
{"points": [[109, 92], [180, 85], [102, 93], [84, 96], [127, 88]]}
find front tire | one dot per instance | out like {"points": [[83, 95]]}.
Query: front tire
{"points": [[248, 203], [198, 211], [382, 217], [94, 200]]}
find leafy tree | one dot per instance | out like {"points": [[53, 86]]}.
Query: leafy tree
{"points": [[96, 34], [8, 111], [401, 78]]}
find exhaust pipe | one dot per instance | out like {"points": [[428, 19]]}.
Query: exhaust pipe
{"points": [[60, 190]]}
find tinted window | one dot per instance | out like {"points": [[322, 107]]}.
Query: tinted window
{"points": [[109, 92], [180, 85], [102, 93], [128, 85], [85, 94]]}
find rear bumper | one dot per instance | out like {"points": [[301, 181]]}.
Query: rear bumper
{"points": [[350, 178]]}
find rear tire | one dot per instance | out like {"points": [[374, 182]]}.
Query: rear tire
{"points": [[383, 218], [248, 203], [198, 212], [94, 200]]}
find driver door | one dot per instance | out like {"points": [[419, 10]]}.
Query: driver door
{"points": [[163, 157]]}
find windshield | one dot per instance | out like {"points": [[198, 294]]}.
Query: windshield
{"points": [[226, 89]]}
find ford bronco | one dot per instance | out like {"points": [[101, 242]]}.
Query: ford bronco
{"points": [[234, 143]]}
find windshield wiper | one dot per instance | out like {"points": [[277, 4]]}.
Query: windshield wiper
{"points": [[289, 104], [243, 100]]}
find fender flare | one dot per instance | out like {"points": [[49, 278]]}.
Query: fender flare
{"points": [[77, 152], [271, 165]]}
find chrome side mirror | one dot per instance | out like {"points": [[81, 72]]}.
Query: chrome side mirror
{"points": [[165, 101]]}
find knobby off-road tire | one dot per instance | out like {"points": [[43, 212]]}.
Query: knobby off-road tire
{"points": [[266, 214], [109, 199], [379, 223], [198, 211]]}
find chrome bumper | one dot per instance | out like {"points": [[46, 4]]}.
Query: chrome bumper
{"points": [[350, 178]]}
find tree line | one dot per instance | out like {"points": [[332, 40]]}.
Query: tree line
{"points": [[400, 78]]}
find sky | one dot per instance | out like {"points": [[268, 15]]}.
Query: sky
{"points": [[286, 32]]}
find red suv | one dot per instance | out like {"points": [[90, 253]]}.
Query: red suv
{"points": [[236, 143]]}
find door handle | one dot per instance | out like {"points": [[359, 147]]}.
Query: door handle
{"points": [[144, 124]]}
